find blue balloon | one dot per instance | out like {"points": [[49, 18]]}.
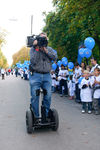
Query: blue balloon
{"points": [[87, 53], [18, 65], [89, 43], [70, 65], [65, 62], [59, 63], [54, 66], [80, 80], [52, 61], [70, 73], [81, 52], [26, 62], [64, 58]]}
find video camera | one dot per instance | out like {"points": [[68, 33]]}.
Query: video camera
{"points": [[41, 41]]}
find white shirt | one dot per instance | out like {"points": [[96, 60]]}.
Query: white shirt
{"points": [[2, 71], [92, 69], [96, 94], [62, 74], [26, 72], [53, 80], [86, 93], [78, 72], [71, 86]]}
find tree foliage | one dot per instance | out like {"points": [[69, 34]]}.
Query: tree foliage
{"points": [[3, 60], [21, 55], [70, 24]]}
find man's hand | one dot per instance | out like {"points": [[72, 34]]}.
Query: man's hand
{"points": [[35, 42], [44, 49]]}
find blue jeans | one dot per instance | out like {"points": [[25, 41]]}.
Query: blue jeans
{"points": [[84, 106], [38, 81]]}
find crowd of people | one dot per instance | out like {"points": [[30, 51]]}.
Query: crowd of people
{"points": [[81, 84], [6, 72]]}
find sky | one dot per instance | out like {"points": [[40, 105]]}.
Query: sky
{"points": [[15, 18]]}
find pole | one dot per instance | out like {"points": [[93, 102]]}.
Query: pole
{"points": [[31, 24]]}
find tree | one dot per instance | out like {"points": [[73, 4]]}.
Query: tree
{"points": [[3, 60], [71, 23], [21, 55]]}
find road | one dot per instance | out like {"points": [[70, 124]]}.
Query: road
{"points": [[77, 131]]}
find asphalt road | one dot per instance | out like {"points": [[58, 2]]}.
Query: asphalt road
{"points": [[77, 131]]}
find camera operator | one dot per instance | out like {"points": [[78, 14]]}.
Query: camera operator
{"points": [[40, 66]]}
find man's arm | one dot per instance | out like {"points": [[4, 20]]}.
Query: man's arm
{"points": [[33, 55], [50, 53]]}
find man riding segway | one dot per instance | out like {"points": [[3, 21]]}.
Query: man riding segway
{"points": [[40, 66]]}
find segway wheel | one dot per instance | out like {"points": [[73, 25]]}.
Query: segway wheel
{"points": [[55, 120], [29, 121]]}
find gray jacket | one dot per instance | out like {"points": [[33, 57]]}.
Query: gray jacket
{"points": [[40, 61]]}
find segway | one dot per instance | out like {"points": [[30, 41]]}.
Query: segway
{"points": [[51, 121]]}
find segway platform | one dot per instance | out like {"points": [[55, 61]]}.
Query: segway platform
{"points": [[32, 123]]}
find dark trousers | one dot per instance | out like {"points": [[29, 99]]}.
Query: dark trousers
{"points": [[16, 73], [63, 83], [3, 77], [25, 76], [87, 105], [77, 93], [96, 105]]}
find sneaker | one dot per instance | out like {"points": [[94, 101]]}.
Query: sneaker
{"points": [[89, 111], [61, 95], [83, 111]]}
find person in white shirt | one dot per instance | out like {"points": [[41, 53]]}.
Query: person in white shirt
{"points": [[86, 93], [3, 73], [96, 90], [22, 73], [78, 73], [26, 74], [62, 80], [94, 65], [71, 87], [53, 77]]}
